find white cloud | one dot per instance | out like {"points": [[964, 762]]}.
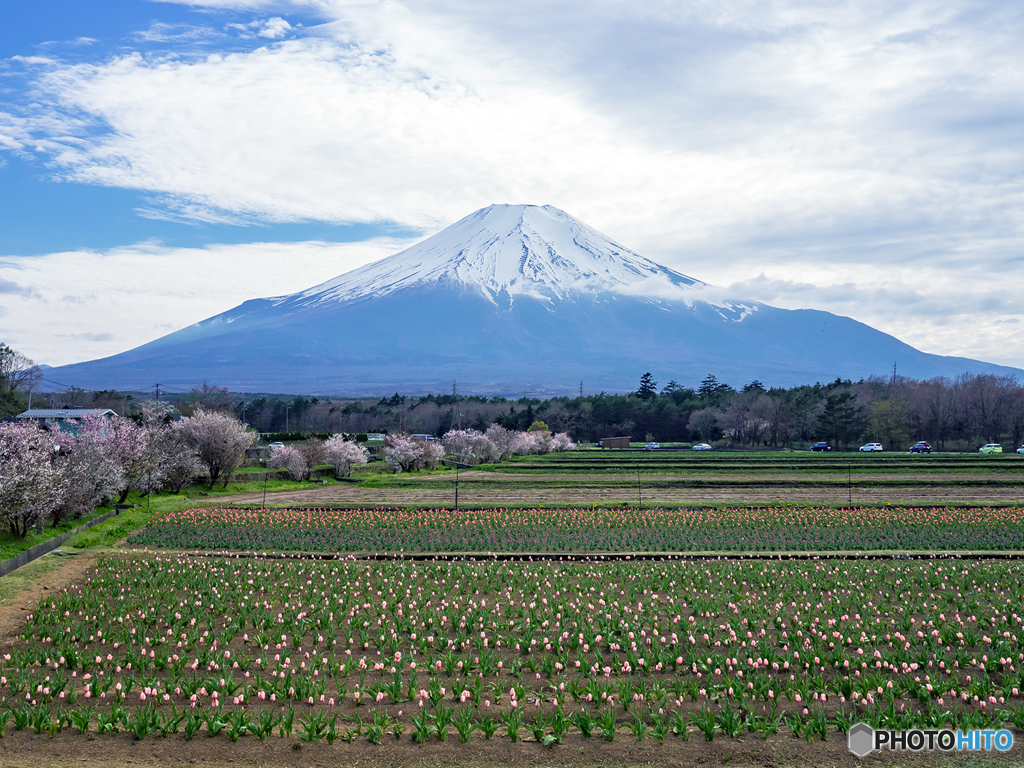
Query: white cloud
{"points": [[159, 32], [272, 29], [964, 313], [792, 120], [82, 305]]}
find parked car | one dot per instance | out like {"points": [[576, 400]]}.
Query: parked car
{"points": [[991, 448], [274, 446], [652, 446], [920, 447], [822, 446], [870, 447], [1021, 450], [702, 447]]}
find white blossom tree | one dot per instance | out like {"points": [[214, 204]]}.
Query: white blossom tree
{"points": [[501, 441], [468, 446], [562, 442], [290, 458], [343, 454], [219, 440], [406, 454]]}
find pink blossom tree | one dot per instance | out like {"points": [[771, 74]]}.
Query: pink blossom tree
{"points": [[30, 486], [127, 445], [89, 470], [170, 461], [179, 460]]}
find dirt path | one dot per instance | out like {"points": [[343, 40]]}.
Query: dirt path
{"points": [[39, 751], [21, 591]]}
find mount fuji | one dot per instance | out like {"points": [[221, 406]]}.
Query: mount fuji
{"points": [[512, 299]]}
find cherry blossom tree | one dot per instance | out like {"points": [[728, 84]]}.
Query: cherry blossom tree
{"points": [[289, 457], [406, 454], [90, 471], [313, 452], [468, 446], [219, 440], [170, 461], [179, 460], [127, 445], [343, 454], [501, 441], [562, 442], [30, 486]]}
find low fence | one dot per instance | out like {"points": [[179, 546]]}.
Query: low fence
{"points": [[26, 557]]}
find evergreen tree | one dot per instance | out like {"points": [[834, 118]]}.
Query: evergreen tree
{"points": [[841, 419], [648, 387]]}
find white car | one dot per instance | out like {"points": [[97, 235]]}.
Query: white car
{"points": [[1021, 450], [702, 447], [274, 446], [871, 447], [652, 446]]}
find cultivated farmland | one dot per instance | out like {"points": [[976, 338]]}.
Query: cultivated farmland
{"points": [[563, 634], [683, 478]]}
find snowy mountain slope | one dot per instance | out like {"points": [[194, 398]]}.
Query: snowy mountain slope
{"points": [[506, 251], [510, 299]]}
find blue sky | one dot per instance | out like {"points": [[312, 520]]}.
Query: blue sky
{"points": [[161, 162], [98, 217]]}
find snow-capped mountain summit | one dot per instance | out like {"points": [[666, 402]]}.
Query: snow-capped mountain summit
{"points": [[509, 300], [505, 251]]}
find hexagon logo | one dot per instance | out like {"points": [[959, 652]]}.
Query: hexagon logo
{"points": [[861, 739]]}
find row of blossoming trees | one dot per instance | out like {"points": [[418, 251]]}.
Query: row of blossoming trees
{"points": [[50, 474], [405, 453], [469, 447]]}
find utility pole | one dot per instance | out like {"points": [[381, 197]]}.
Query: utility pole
{"points": [[581, 387], [157, 386], [458, 405]]}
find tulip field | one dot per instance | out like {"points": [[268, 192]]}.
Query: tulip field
{"points": [[177, 646], [591, 529]]}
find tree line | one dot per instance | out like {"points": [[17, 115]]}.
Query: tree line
{"points": [[957, 413]]}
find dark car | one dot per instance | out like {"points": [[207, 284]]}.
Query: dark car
{"points": [[921, 447], [821, 447]]}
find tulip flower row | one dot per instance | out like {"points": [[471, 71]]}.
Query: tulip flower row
{"points": [[769, 529]]}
